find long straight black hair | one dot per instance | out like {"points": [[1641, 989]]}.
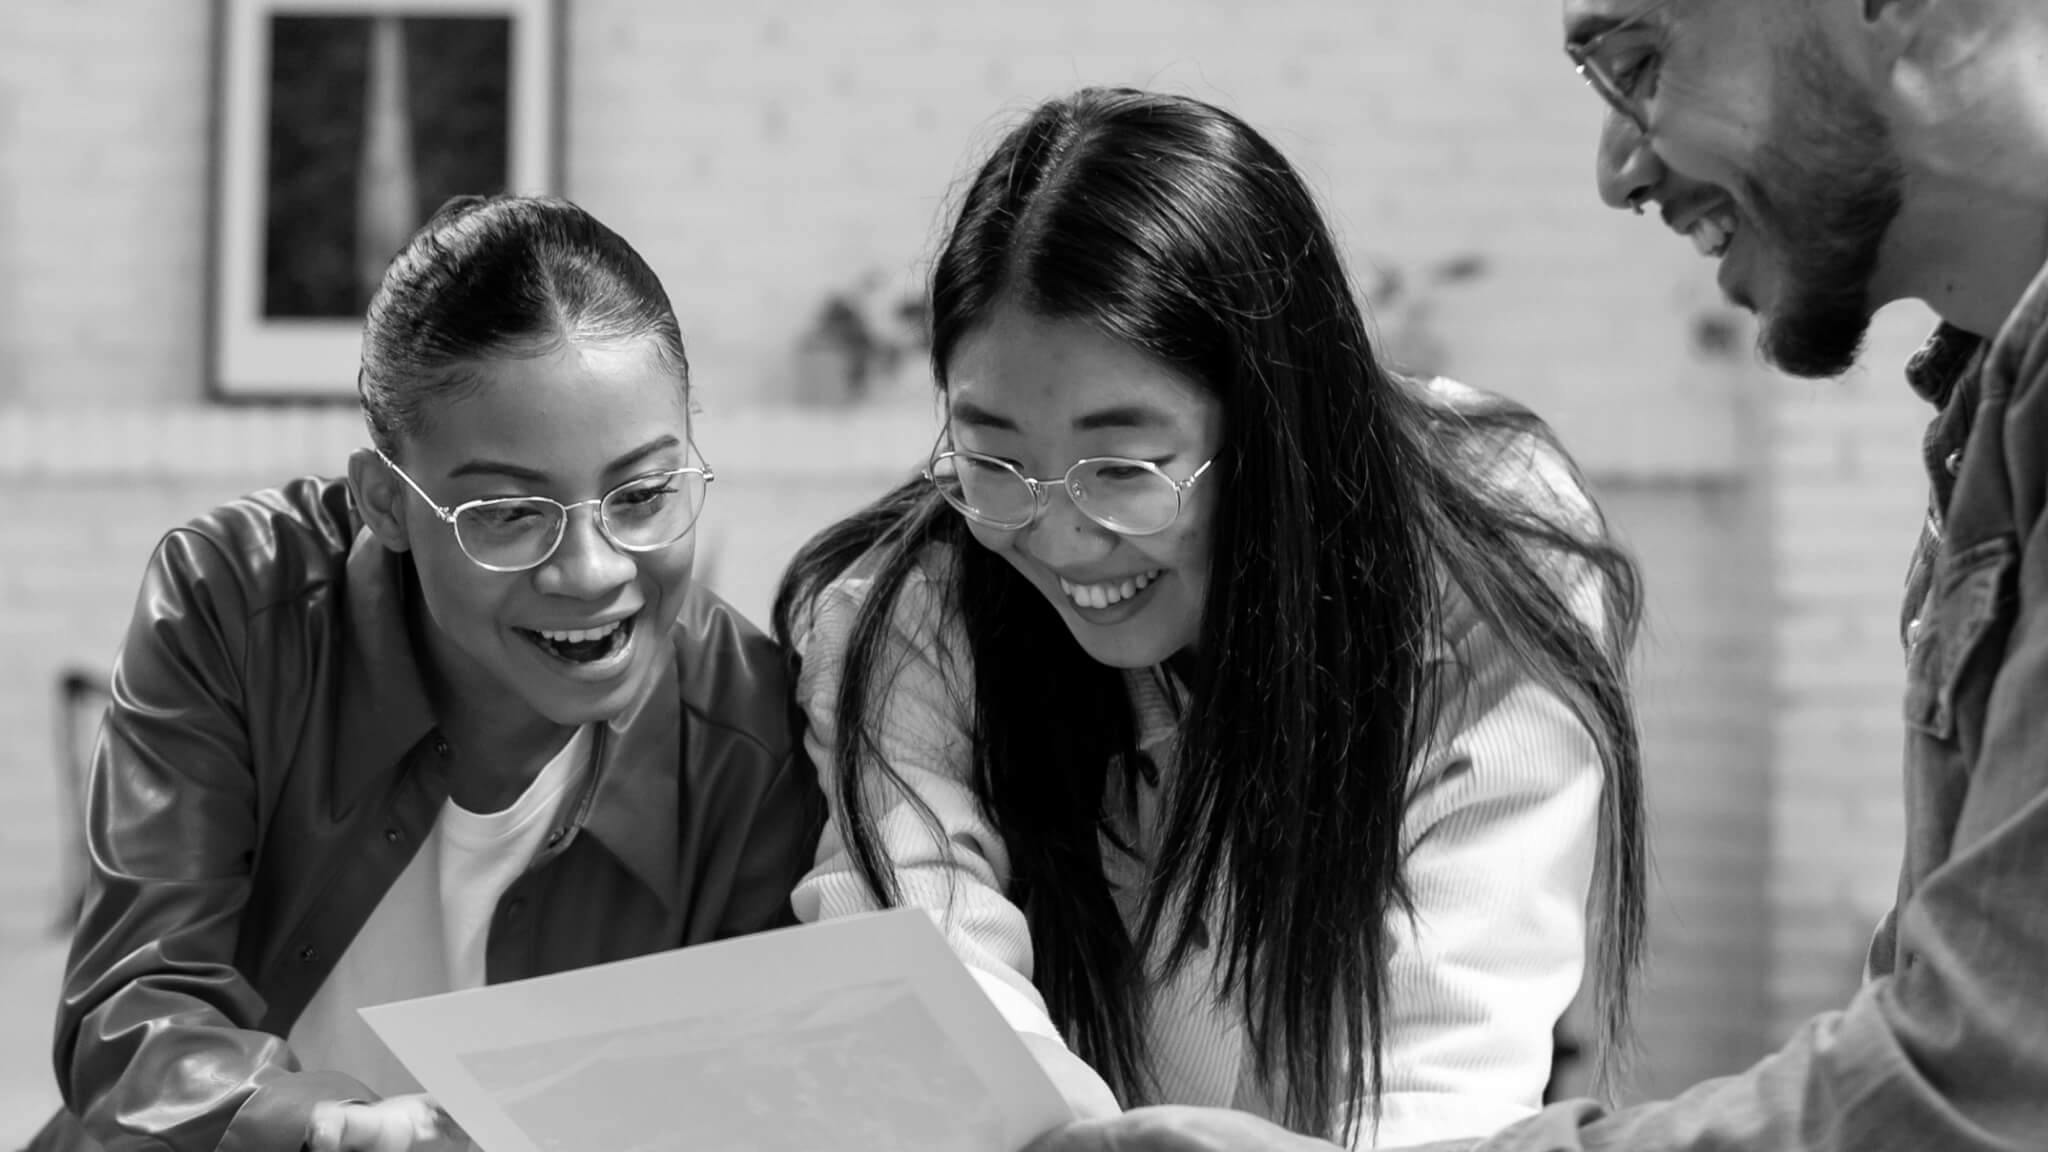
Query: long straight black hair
{"points": [[1352, 506]]}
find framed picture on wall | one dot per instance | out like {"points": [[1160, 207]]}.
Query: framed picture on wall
{"points": [[340, 125]]}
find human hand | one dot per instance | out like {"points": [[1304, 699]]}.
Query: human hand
{"points": [[1086, 1093], [396, 1124], [1177, 1129]]}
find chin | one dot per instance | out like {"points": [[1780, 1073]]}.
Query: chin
{"points": [[574, 710], [599, 711], [1814, 345], [1117, 656], [1129, 652], [574, 705]]}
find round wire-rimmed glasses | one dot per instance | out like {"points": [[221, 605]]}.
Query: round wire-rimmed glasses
{"points": [[515, 533], [1595, 71], [1128, 497]]}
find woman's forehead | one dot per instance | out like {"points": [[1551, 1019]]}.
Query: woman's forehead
{"points": [[1022, 369], [569, 412]]}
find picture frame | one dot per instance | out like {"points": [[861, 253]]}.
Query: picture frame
{"points": [[339, 127]]}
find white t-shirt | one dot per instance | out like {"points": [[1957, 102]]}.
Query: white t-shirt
{"points": [[430, 931]]}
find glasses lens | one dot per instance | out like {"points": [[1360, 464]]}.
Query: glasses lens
{"points": [[1129, 496], [1596, 78], [985, 489], [509, 534], [654, 511]]}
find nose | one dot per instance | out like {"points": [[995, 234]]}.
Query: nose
{"points": [[1062, 537], [1625, 167], [585, 564]]}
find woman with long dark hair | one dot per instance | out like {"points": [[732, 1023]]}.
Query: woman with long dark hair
{"points": [[1254, 719]]}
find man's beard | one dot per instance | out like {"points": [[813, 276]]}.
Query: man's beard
{"points": [[1826, 189]]}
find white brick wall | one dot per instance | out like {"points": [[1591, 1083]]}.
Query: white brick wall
{"points": [[103, 150], [756, 160], [1703, 666], [762, 159], [1847, 498]]}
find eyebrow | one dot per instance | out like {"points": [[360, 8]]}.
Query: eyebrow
{"points": [[968, 412], [1121, 416], [535, 476], [1587, 29]]}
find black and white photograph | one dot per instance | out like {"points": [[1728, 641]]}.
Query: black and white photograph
{"points": [[1408, 575]]}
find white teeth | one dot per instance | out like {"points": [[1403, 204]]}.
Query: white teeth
{"points": [[580, 635], [1103, 595], [1711, 234]]}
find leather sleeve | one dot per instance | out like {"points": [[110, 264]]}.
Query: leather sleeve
{"points": [[774, 849], [156, 1044]]}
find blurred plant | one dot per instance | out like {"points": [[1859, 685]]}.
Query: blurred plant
{"points": [[1401, 307], [864, 334]]}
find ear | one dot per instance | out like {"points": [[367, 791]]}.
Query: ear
{"points": [[1926, 51], [380, 498]]}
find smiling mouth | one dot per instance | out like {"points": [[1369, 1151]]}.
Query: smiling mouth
{"points": [[1712, 233], [1105, 594], [582, 645]]}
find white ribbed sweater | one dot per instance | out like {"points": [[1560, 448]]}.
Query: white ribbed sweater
{"points": [[1500, 833]]}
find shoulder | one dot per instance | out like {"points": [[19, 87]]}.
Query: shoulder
{"points": [[734, 677], [1519, 467], [264, 549], [919, 614], [1516, 457]]}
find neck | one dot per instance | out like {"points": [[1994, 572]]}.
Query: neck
{"points": [[1188, 669], [1979, 249], [1974, 234], [490, 767], [497, 743]]}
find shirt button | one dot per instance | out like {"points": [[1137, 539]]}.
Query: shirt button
{"points": [[1954, 463], [555, 837], [393, 835], [306, 952], [1913, 631], [517, 906], [440, 747]]}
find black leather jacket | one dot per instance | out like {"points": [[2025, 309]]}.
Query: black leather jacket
{"points": [[268, 766]]}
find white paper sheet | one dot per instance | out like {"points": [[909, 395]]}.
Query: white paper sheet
{"points": [[862, 1034]]}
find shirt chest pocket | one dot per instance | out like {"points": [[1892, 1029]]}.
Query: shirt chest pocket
{"points": [[1964, 609]]}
